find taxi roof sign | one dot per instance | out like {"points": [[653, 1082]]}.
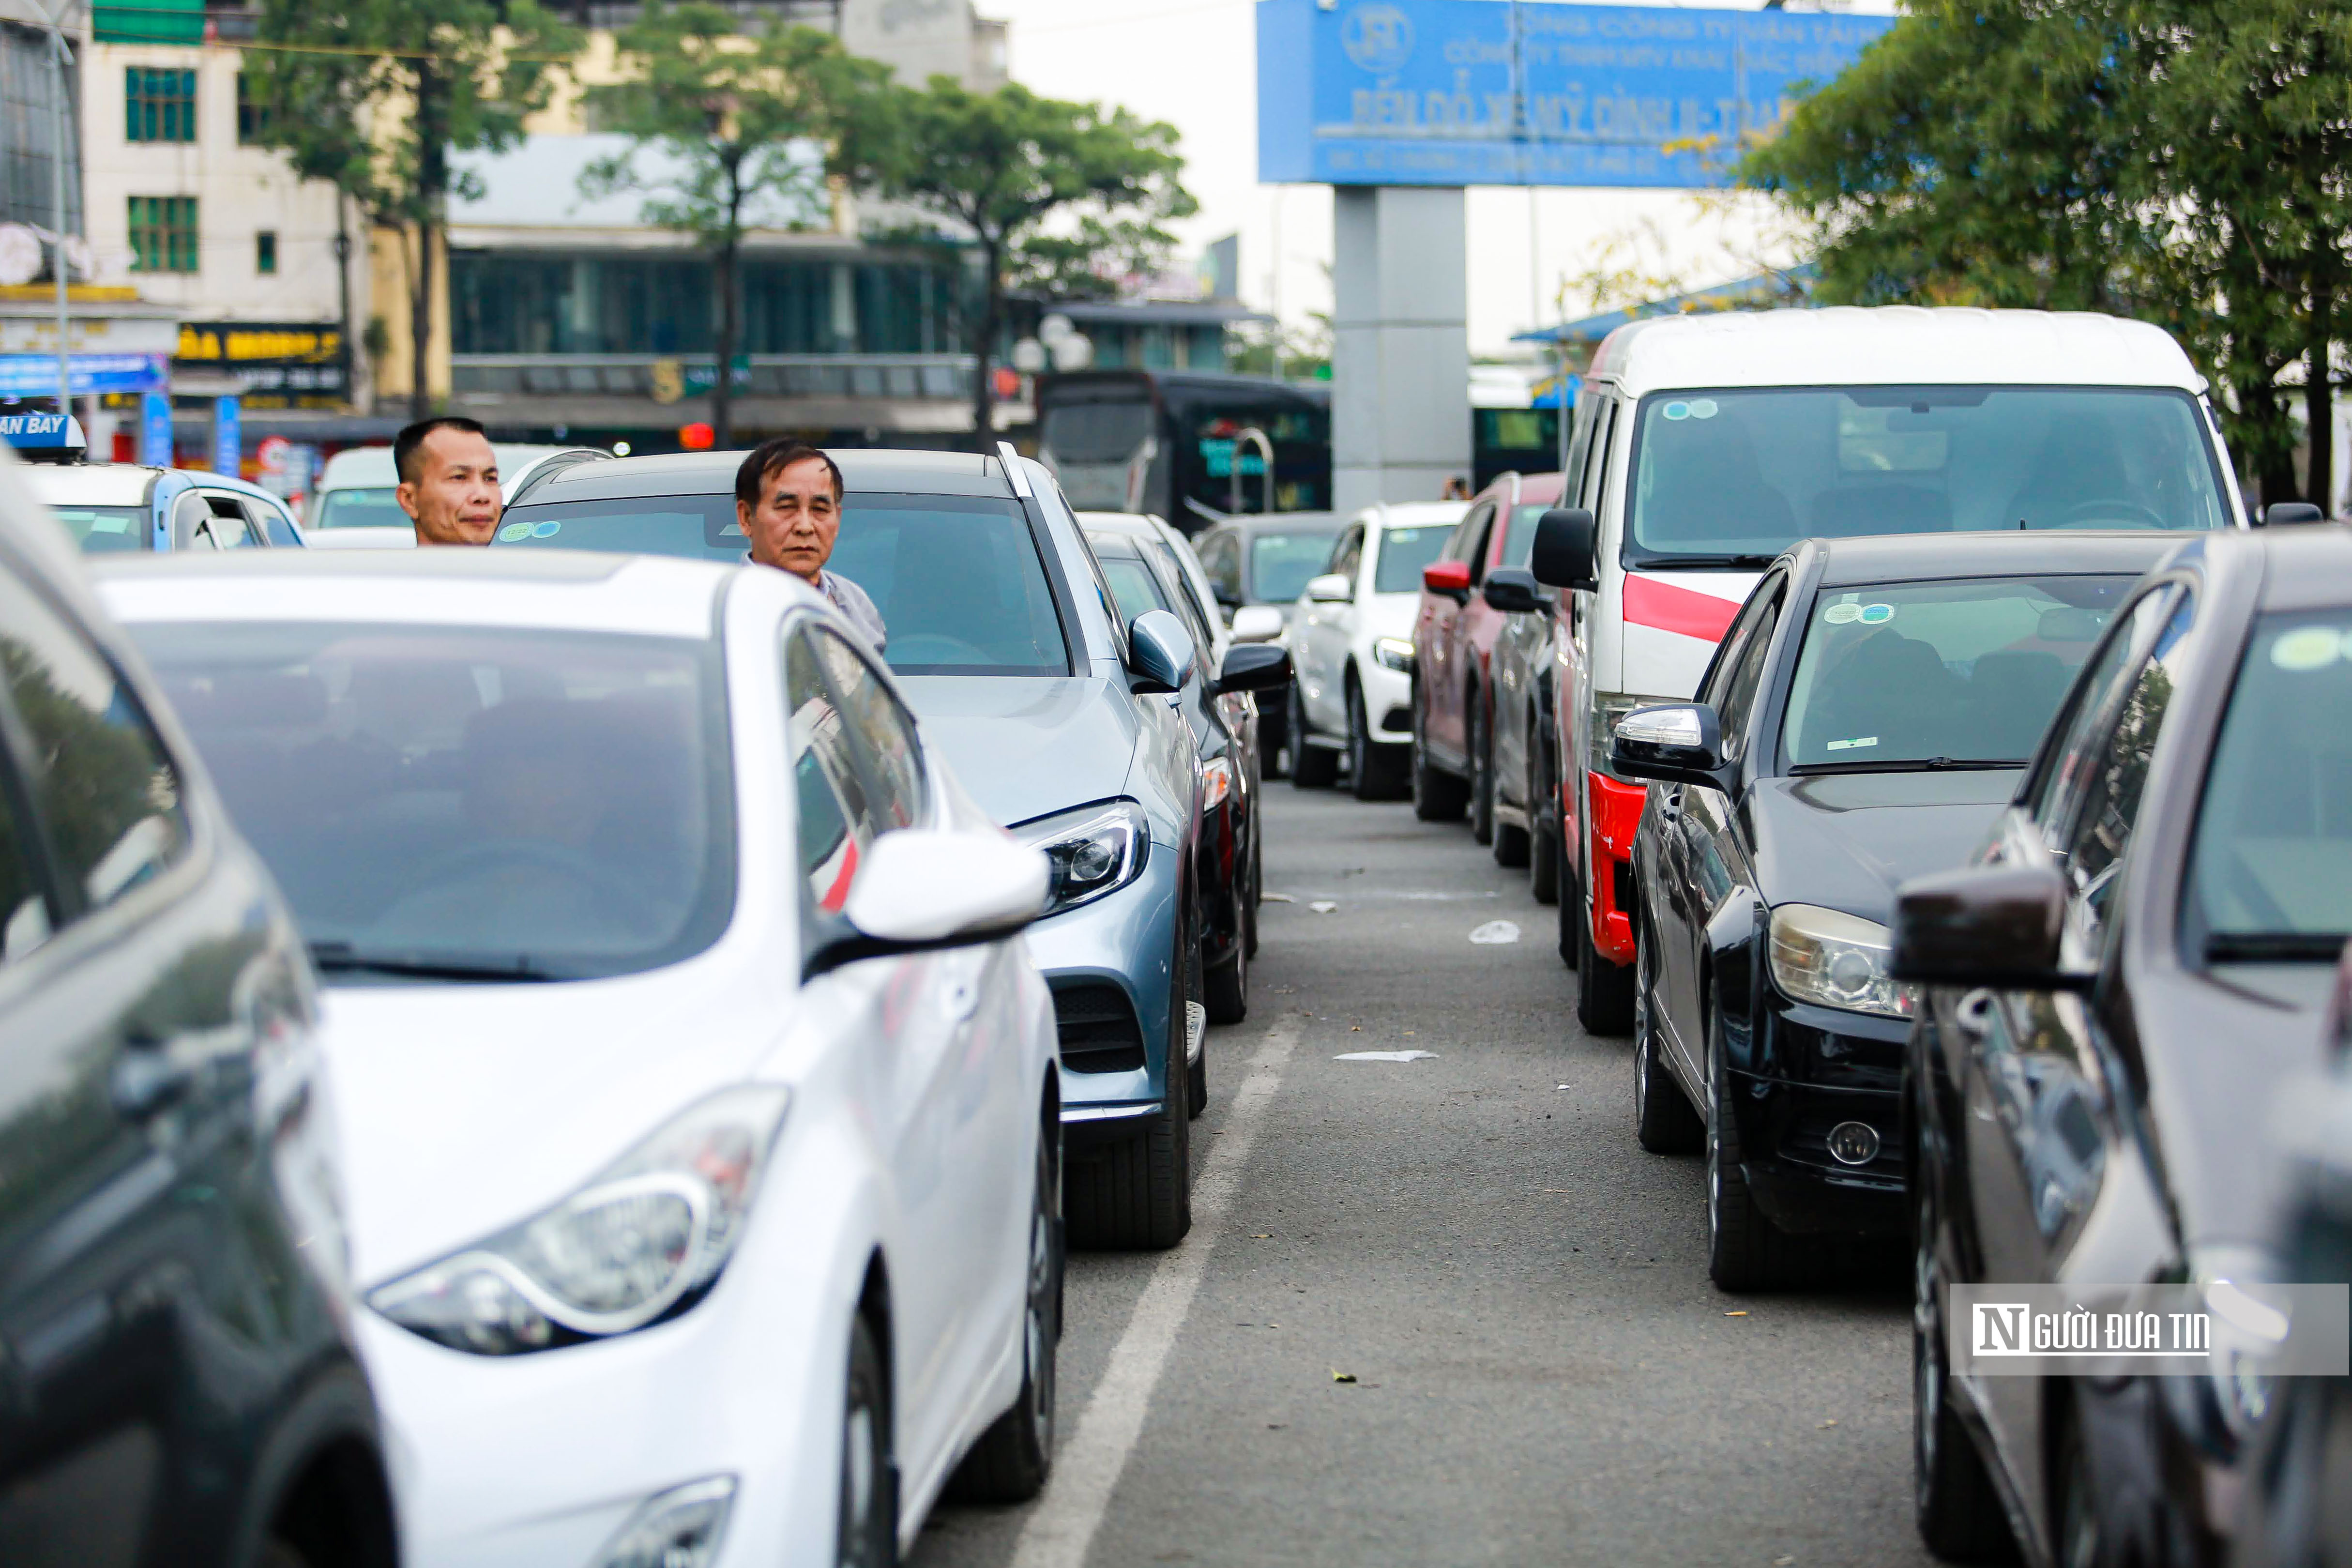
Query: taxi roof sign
{"points": [[44, 437]]}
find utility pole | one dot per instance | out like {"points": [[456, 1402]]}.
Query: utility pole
{"points": [[59, 58]]}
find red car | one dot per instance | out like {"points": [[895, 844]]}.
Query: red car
{"points": [[1476, 640]]}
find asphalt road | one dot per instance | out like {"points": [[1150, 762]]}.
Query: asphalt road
{"points": [[1542, 1372]]}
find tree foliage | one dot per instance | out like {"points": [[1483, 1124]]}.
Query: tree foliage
{"points": [[722, 126], [1047, 192], [2180, 161], [373, 96]]}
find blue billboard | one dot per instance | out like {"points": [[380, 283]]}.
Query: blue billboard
{"points": [[1528, 92]]}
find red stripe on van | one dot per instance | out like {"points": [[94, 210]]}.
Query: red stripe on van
{"points": [[1650, 603]]}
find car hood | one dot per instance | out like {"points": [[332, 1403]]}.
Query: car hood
{"points": [[1025, 746], [1845, 840], [464, 1108], [1390, 614]]}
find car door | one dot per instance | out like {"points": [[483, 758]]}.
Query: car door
{"points": [[857, 773], [1323, 639], [1439, 636], [142, 1283]]}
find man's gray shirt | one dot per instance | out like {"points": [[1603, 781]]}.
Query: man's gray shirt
{"points": [[851, 601]]}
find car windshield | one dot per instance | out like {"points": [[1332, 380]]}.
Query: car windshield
{"points": [[1915, 675], [1721, 477], [100, 530], [2271, 873], [1404, 552], [957, 578], [1519, 539], [545, 804], [361, 509], [1280, 563]]}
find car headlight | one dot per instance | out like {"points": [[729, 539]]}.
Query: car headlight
{"points": [[1216, 782], [1836, 960], [649, 1233], [1393, 653], [1095, 849]]}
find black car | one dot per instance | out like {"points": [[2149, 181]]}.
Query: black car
{"points": [[2112, 997], [1262, 563], [1864, 720], [1144, 576], [176, 1385]]}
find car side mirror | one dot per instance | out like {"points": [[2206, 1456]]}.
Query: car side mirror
{"points": [[1257, 623], [1565, 546], [2280, 513], [1160, 652], [1515, 592], [1450, 579], [922, 888], [1681, 744], [1331, 588], [1254, 667], [1983, 926]]}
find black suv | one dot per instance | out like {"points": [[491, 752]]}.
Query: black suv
{"points": [[176, 1381]]}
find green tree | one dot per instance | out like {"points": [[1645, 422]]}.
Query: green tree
{"points": [[373, 96], [2175, 160], [1047, 193], [727, 118]]}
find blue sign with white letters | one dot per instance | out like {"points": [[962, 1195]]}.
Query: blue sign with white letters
{"points": [[155, 430], [39, 432], [1529, 92]]}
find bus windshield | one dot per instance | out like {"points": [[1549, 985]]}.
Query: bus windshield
{"points": [[1733, 477]]}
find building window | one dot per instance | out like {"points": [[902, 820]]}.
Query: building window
{"points": [[163, 234], [158, 105], [265, 251], [252, 113]]}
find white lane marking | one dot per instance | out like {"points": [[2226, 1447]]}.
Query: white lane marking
{"points": [[1087, 1467], [1386, 1056]]}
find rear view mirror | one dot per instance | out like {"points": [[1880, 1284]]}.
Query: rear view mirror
{"points": [[1331, 588], [1254, 667], [1514, 591], [1566, 541], [1987, 925], [1257, 623], [1449, 578], [1681, 744], [2280, 513], [1159, 651], [918, 890]]}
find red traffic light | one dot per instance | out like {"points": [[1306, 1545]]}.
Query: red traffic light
{"points": [[697, 437]]}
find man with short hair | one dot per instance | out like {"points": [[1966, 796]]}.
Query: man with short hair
{"points": [[788, 504], [448, 480]]}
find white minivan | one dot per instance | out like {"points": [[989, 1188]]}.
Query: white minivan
{"points": [[1703, 446]]}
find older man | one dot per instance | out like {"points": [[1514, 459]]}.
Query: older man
{"points": [[788, 504], [448, 480]]}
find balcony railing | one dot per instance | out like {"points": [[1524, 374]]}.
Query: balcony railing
{"points": [[668, 377]]}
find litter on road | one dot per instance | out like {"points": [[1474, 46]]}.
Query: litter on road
{"points": [[1385, 1057], [1496, 932], [1324, 906]]}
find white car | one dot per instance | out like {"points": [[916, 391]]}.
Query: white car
{"points": [[1351, 642], [696, 1090], [354, 508]]}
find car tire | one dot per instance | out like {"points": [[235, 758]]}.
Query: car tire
{"points": [[1543, 842], [1372, 768], [1437, 795], [866, 1527], [1311, 767], [1954, 1501], [1572, 912], [1481, 751], [1663, 1120], [1228, 988], [1604, 991], [1013, 1458], [1745, 1250], [1256, 893]]}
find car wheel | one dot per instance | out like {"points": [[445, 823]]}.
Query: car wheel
{"points": [[1604, 991], [866, 1532], [1372, 766], [1437, 795], [1010, 1462], [1311, 767], [1256, 893], [1745, 1250], [1482, 768], [1543, 842], [1228, 988], [1958, 1512], [1663, 1121], [1572, 912]]}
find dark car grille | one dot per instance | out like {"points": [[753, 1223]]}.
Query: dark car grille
{"points": [[1099, 1029]]}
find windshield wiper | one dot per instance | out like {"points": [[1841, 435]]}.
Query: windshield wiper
{"points": [[1701, 562], [2273, 947], [341, 958], [1906, 765]]}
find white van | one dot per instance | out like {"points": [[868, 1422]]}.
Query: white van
{"points": [[1703, 446]]}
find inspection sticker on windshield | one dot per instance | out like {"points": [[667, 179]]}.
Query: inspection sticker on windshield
{"points": [[545, 530], [1876, 615], [1841, 615], [1703, 408], [514, 530], [1676, 410], [2308, 647], [1850, 746]]}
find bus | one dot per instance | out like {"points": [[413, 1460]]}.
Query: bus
{"points": [[1167, 442]]}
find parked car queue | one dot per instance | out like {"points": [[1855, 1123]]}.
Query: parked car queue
{"points": [[1950, 799], [767, 1258]]}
